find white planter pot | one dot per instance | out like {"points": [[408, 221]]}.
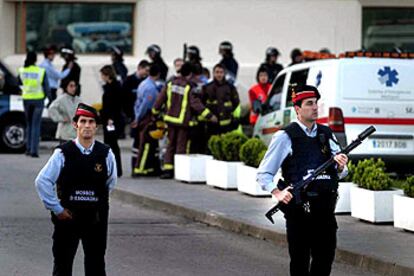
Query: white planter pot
{"points": [[403, 212], [221, 174], [191, 167], [246, 181], [344, 197], [373, 206]]}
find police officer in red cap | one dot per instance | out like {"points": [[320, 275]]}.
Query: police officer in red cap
{"points": [[74, 185], [298, 148]]}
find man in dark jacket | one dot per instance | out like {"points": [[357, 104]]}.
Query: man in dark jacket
{"points": [[154, 53], [179, 102], [129, 88], [228, 61], [68, 55], [222, 99], [270, 64], [117, 57]]}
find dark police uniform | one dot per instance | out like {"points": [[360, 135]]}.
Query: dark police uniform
{"points": [[310, 225], [74, 185], [81, 188], [311, 232]]}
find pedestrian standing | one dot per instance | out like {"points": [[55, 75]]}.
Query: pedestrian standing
{"points": [[193, 55], [129, 88], [296, 56], [178, 63], [111, 112], [228, 61], [147, 162], [154, 53], [180, 103], [222, 99], [258, 94], [68, 54], [117, 58], [197, 132], [74, 185], [53, 75], [272, 67], [298, 148], [35, 88], [62, 111]]}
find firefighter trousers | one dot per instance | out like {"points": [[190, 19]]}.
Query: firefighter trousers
{"points": [[147, 162], [177, 137]]}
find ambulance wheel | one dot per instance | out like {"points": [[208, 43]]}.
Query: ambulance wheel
{"points": [[12, 130]]}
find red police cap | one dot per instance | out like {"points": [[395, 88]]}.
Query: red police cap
{"points": [[305, 92], [85, 110]]}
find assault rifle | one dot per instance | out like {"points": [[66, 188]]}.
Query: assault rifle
{"points": [[303, 184]]}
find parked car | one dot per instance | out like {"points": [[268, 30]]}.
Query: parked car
{"points": [[355, 93], [12, 119]]}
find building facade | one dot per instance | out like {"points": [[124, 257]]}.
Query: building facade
{"points": [[92, 27]]}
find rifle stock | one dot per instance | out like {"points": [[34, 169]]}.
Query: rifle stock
{"points": [[303, 184]]}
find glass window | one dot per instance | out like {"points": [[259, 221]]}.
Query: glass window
{"points": [[297, 78], [384, 29], [87, 27], [275, 95]]}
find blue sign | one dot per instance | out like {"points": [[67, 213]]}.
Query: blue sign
{"points": [[318, 78], [388, 76]]}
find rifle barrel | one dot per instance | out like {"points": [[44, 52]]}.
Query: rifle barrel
{"points": [[304, 183]]}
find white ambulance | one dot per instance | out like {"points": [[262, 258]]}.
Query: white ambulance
{"points": [[356, 92]]}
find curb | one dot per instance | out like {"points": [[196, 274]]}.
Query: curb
{"points": [[221, 221]]}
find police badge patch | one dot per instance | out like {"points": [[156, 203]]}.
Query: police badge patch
{"points": [[98, 167]]}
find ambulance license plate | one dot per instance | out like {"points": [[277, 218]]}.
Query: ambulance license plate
{"points": [[388, 144]]}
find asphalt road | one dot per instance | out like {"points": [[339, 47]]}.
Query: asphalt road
{"points": [[141, 241]]}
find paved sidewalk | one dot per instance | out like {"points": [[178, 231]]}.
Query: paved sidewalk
{"points": [[379, 248]]}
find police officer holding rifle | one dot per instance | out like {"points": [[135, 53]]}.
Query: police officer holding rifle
{"points": [[299, 148]]}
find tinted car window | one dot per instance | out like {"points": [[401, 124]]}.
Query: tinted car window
{"points": [[274, 98], [297, 78]]}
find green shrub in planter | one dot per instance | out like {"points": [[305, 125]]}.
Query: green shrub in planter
{"points": [[231, 144], [214, 145], [363, 165], [409, 186], [252, 152], [370, 174]]}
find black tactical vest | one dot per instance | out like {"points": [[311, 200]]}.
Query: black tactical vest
{"points": [[307, 154], [81, 186]]}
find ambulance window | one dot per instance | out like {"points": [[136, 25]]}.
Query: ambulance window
{"points": [[296, 78], [273, 101]]}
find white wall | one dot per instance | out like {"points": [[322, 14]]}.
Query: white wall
{"points": [[251, 25], [7, 28]]}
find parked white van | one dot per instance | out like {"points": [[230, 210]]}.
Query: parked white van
{"points": [[355, 93]]}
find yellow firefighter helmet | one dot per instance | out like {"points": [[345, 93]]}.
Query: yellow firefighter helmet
{"points": [[157, 130]]}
